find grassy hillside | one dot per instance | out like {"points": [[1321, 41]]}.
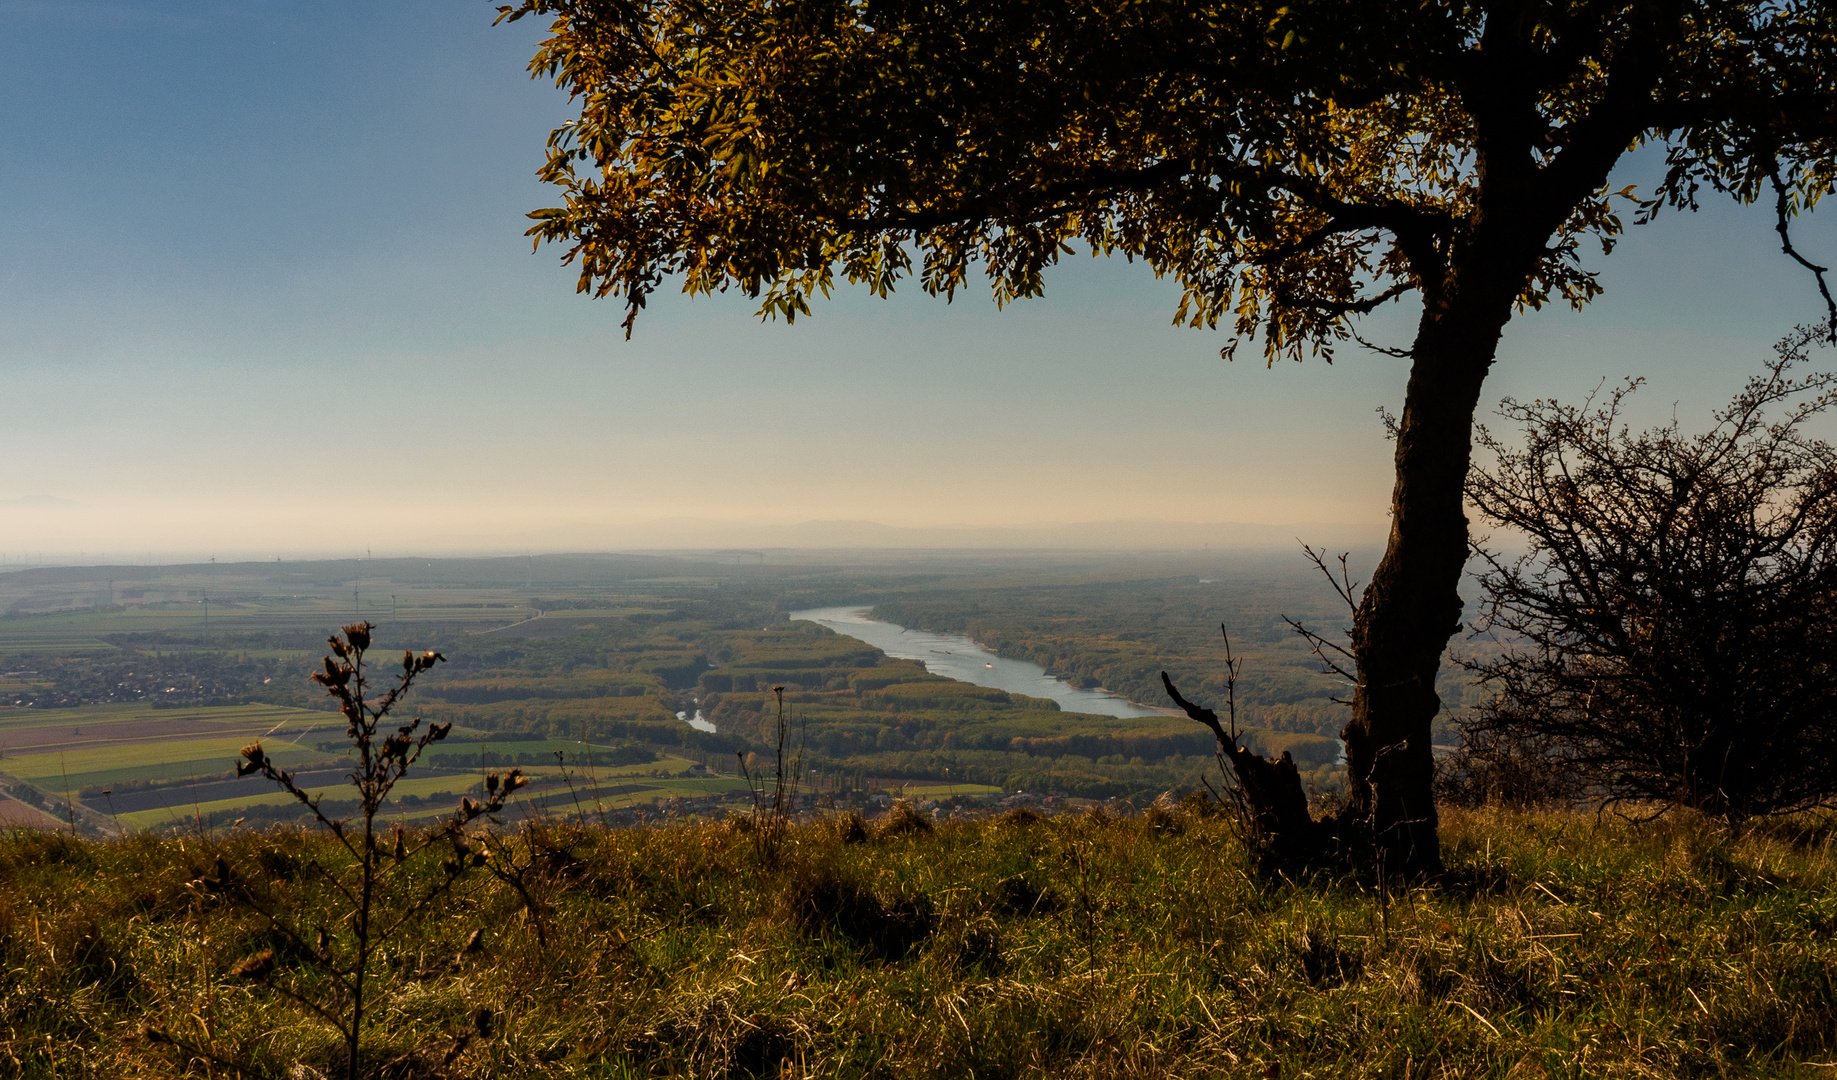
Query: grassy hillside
{"points": [[1558, 946]]}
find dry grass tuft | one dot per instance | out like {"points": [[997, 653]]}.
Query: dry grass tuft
{"points": [[902, 819], [1016, 896], [1166, 814], [1018, 817], [822, 899], [848, 828]]}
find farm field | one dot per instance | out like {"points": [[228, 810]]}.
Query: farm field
{"points": [[432, 795], [17, 815], [145, 768], [69, 749], [132, 689]]}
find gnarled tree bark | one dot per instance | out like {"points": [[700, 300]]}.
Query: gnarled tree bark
{"points": [[1277, 805]]}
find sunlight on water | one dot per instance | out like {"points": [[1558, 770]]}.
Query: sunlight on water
{"points": [[957, 657], [698, 722]]}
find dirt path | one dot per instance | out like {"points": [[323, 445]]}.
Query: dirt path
{"points": [[506, 626]]}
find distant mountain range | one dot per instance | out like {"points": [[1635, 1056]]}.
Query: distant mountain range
{"points": [[41, 502], [703, 533]]}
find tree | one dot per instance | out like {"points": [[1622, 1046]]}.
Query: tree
{"points": [[1292, 167], [1672, 629]]}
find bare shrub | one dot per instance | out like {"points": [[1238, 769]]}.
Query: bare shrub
{"points": [[1518, 770], [1670, 629]]}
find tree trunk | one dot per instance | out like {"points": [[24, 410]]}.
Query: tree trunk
{"points": [[1412, 605]]}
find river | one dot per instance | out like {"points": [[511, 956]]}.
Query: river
{"points": [[957, 657]]}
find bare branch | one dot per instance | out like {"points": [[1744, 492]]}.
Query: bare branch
{"points": [[1782, 209], [1205, 716], [1343, 584], [1320, 645]]}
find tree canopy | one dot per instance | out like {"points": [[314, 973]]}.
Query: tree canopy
{"points": [[1287, 165]]}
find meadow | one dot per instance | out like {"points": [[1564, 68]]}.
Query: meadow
{"points": [[1558, 945]]}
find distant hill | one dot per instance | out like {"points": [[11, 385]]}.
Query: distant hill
{"points": [[704, 533]]}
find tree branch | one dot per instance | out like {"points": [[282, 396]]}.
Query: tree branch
{"points": [[1205, 716], [1351, 307], [1415, 227], [1782, 209]]}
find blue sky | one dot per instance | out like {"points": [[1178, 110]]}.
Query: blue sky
{"points": [[262, 277]]}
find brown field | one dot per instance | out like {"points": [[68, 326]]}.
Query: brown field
{"points": [[35, 731], [17, 815], [214, 789]]}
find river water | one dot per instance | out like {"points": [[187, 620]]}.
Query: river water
{"points": [[957, 657], [698, 721]]}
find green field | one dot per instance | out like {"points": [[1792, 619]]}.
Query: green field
{"points": [[66, 750], [119, 678], [183, 810], [174, 753], [945, 790]]}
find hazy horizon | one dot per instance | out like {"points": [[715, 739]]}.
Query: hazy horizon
{"points": [[702, 535], [264, 288]]}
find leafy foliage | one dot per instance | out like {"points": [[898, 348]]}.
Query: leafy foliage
{"points": [[1289, 166]]}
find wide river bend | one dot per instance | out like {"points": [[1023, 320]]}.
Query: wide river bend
{"points": [[957, 657]]}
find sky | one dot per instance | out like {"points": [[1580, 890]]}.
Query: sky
{"points": [[264, 290]]}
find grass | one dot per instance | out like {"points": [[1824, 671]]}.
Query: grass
{"points": [[1558, 946]]}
